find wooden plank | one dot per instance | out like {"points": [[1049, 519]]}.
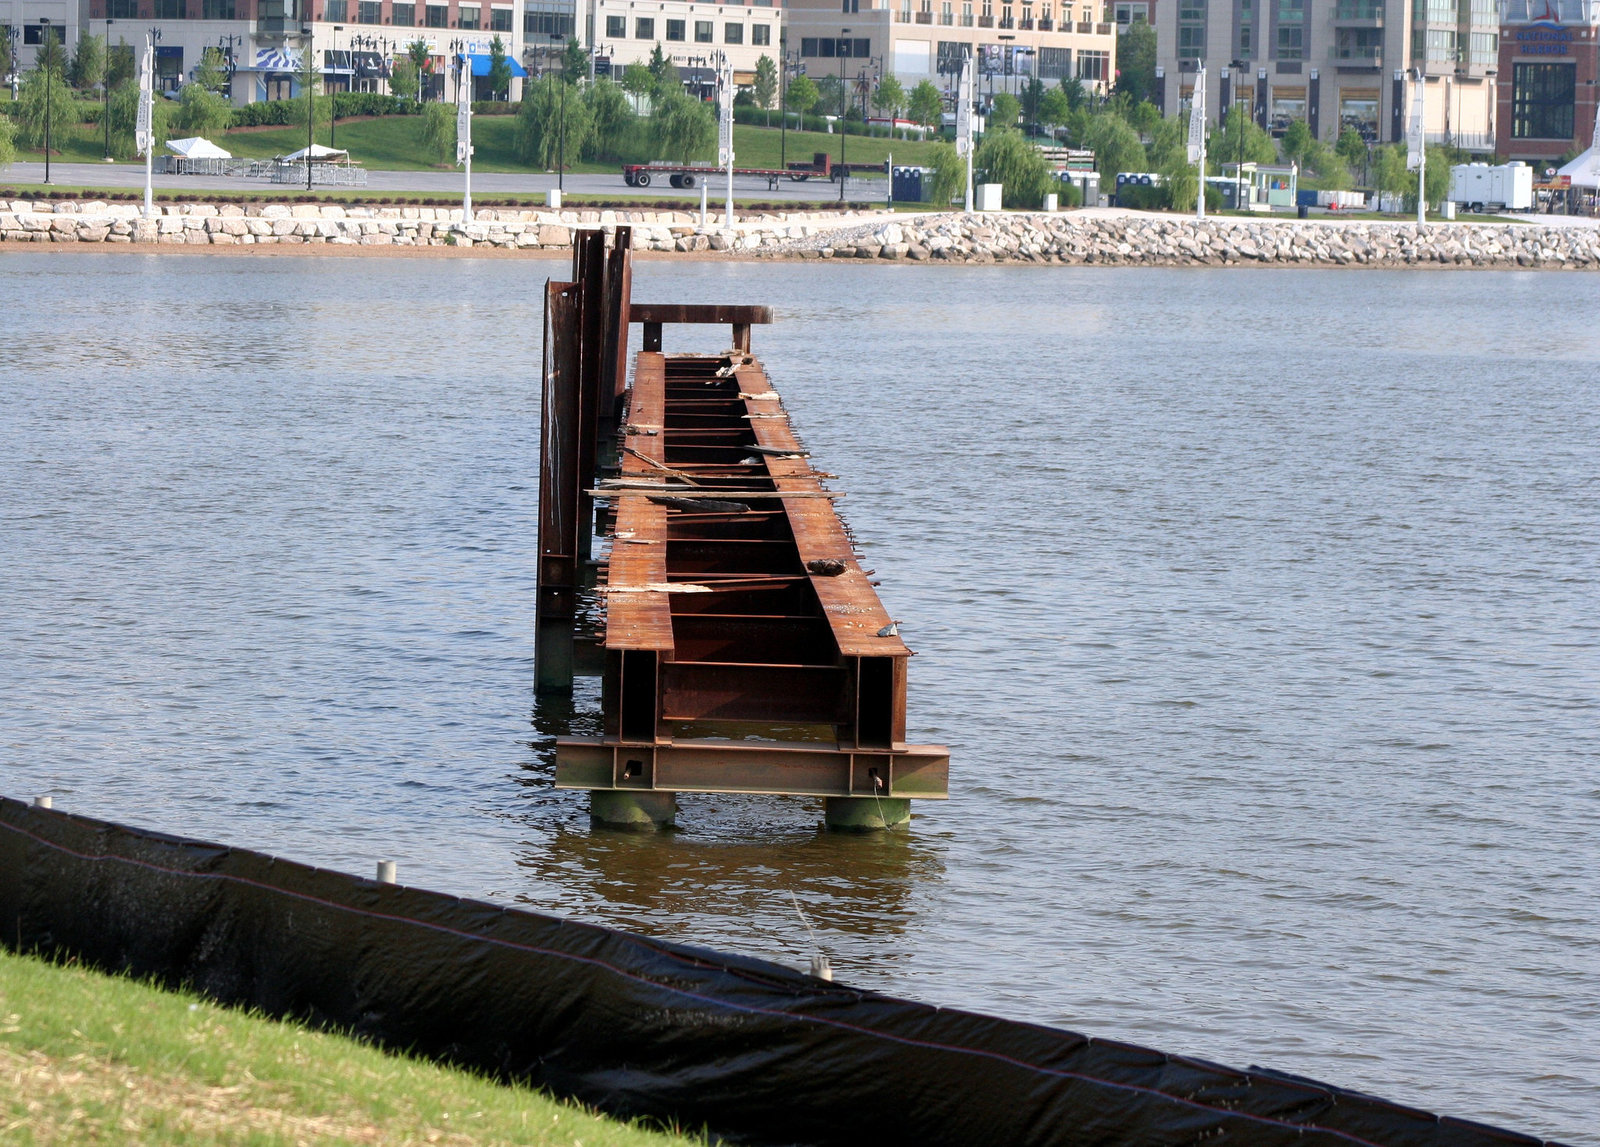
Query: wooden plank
{"points": [[639, 537]]}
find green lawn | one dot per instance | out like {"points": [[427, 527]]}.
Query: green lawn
{"points": [[86, 1058], [394, 143]]}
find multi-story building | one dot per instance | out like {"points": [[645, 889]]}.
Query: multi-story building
{"points": [[355, 42], [1549, 80], [25, 23], [689, 33], [1012, 41], [1337, 63]]}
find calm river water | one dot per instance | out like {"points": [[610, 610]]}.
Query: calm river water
{"points": [[1258, 610]]}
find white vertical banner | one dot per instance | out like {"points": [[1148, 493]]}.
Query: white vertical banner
{"points": [[464, 134], [725, 128], [1417, 145], [964, 125], [144, 134], [1416, 140], [1197, 138]]}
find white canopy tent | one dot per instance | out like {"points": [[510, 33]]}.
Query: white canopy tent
{"points": [[1584, 171], [318, 154], [197, 148]]}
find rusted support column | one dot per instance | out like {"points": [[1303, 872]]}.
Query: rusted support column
{"points": [[557, 592], [589, 256]]}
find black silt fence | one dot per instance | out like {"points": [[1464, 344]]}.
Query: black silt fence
{"points": [[631, 1025]]}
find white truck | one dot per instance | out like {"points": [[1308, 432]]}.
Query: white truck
{"points": [[1480, 187]]}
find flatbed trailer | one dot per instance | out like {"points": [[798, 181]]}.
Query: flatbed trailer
{"points": [[692, 174]]}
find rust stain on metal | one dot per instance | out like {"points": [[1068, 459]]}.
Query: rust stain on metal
{"points": [[745, 648]]}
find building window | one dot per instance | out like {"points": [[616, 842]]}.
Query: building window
{"points": [[499, 19], [644, 28], [438, 16], [1542, 99], [123, 9], [761, 34], [1093, 65], [218, 10], [675, 32], [733, 33], [616, 27], [1291, 42], [333, 11], [469, 17], [405, 15], [1244, 41], [165, 10], [367, 12], [1055, 63], [1192, 41], [702, 31]]}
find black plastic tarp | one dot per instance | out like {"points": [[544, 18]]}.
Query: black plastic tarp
{"points": [[632, 1025]]}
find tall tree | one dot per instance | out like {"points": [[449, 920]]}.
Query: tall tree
{"points": [[45, 100], [612, 118], [51, 55], [638, 82], [890, 96], [88, 63], [926, 105], [575, 61], [1239, 139], [201, 109], [439, 132], [1077, 95], [1032, 100], [499, 70], [765, 88], [314, 108], [119, 64], [5, 56], [683, 126], [420, 53], [1007, 158], [1006, 110], [1296, 139], [803, 95], [403, 79], [124, 117], [8, 146], [546, 107], [1136, 61]]}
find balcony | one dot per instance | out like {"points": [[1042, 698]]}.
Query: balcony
{"points": [[1103, 29], [1007, 22], [1084, 29], [947, 19], [924, 17], [1356, 56], [1047, 25], [276, 26], [1025, 25], [966, 21], [1358, 14], [986, 21]]}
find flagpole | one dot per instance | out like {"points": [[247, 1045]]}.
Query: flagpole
{"points": [[725, 129], [1197, 137], [144, 125]]}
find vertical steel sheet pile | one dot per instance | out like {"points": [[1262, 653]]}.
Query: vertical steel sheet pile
{"points": [[744, 648]]}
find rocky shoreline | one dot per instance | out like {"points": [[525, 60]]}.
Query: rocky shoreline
{"points": [[1075, 238]]}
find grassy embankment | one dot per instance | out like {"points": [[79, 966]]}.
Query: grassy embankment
{"points": [[394, 143], [86, 1058]]}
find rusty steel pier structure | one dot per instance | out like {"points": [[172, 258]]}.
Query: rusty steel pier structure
{"points": [[742, 648]]}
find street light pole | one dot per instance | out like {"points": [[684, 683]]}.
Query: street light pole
{"points": [[105, 90], [309, 77], [561, 137], [783, 98], [49, 75], [843, 46], [333, 93]]}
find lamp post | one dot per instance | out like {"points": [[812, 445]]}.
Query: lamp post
{"points": [[49, 76], [561, 138], [844, 46], [310, 84], [105, 91], [230, 63], [1238, 150], [333, 92]]}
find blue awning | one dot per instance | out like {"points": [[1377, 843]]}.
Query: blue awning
{"points": [[480, 65]]}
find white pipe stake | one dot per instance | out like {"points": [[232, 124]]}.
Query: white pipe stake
{"points": [[385, 872]]}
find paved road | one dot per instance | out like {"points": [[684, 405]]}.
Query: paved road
{"points": [[438, 183]]}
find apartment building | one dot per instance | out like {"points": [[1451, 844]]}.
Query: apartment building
{"points": [[1012, 41], [1337, 63], [355, 42], [690, 34], [1550, 78]]}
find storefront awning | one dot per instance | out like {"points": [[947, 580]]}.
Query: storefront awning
{"points": [[480, 65]]}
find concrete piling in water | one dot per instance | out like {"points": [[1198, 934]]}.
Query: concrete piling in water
{"points": [[865, 814], [43, 802], [624, 808], [386, 872]]}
